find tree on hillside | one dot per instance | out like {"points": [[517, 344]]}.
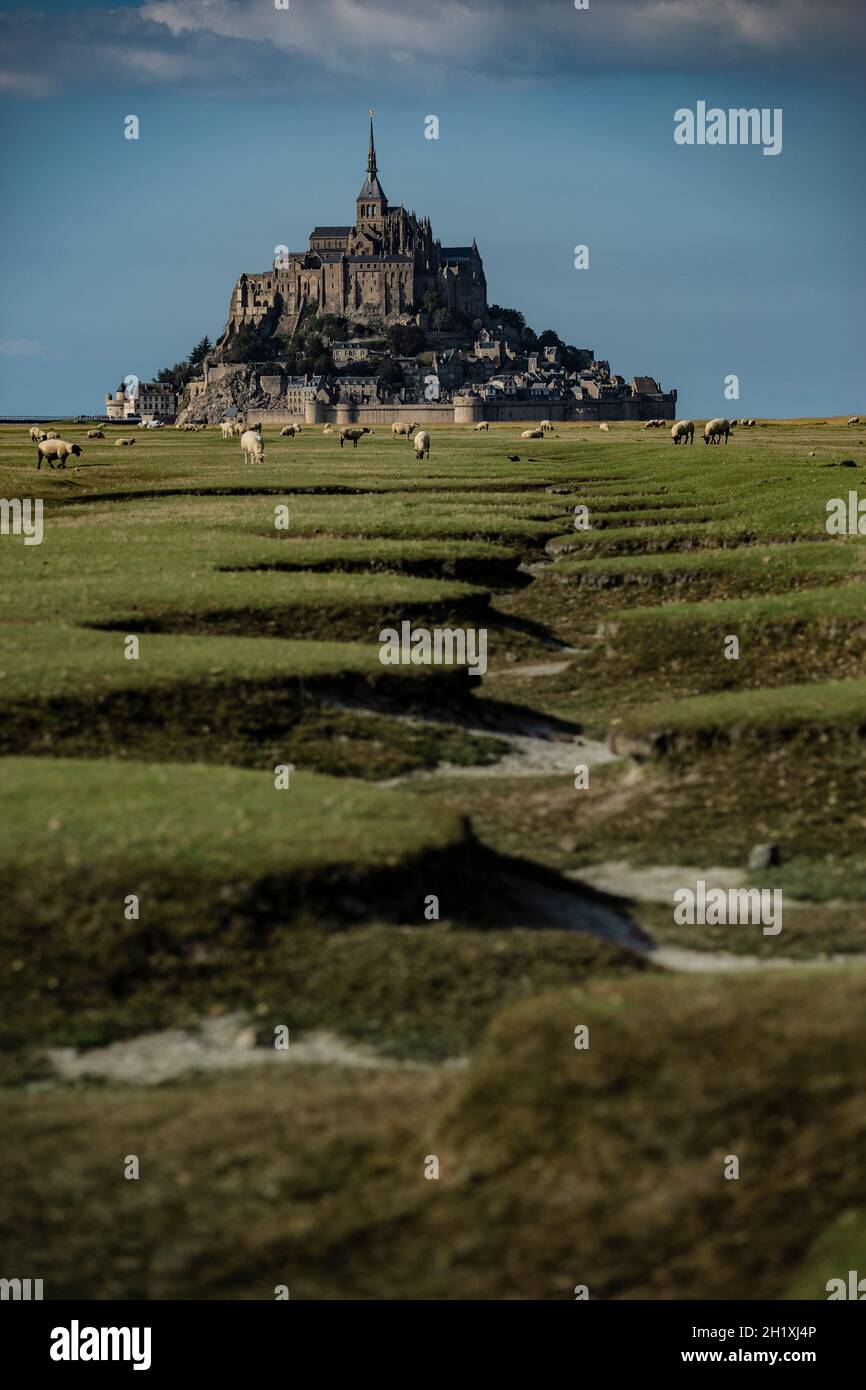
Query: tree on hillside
{"points": [[406, 340], [200, 352], [509, 318]]}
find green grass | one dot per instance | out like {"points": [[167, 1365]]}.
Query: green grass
{"points": [[306, 907], [558, 1167]]}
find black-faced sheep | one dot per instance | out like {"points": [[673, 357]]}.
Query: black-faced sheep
{"points": [[714, 429], [55, 452], [353, 433], [683, 429]]}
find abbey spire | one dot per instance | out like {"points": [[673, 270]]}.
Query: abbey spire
{"points": [[372, 203]]}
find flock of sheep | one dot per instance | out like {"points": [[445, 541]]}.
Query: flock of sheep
{"points": [[51, 449], [253, 444]]}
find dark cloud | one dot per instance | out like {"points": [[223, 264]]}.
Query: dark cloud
{"points": [[249, 47]]}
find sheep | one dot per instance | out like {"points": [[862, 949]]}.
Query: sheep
{"points": [[604, 426], [855, 420], [227, 429], [484, 425], [252, 445], [36, 434], [238, 428], [398, 431], [734, 423], [683, 429], [714, 429], [289, 431], [353, 433], [422, 444], [532, 434], [51, 434], [95, 434], [329, 429], [55, 449], [123, 443], [545, 425]]}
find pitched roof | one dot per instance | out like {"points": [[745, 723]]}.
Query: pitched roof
{"points": [[330, 231], [371, 188]]}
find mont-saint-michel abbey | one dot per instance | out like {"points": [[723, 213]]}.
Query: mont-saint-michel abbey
{"points": [[378, 269], [378, 319]]}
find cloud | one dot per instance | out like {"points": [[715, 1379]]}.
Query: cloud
{"points": [[21, 347], [244, 48]]}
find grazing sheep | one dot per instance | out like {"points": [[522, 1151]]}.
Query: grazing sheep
{"points": [[252, 445], [484, 425], [604, 426], [855, 420], [227, 429], [422, 444], [683, 429], [55, 452], [328, 429], [123, 443], [51, 434], [406, 431], [95, 434], [289, 431], [714, 429], [36, 434], [353, 433], [532, 434], [545, 425], [734, 422]]}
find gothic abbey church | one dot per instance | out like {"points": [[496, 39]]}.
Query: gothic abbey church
{"points": [[379, 268]]}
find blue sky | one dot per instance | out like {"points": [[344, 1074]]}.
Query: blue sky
{"points": [[556, 128]]}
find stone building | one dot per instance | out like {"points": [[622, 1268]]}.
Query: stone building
{"points": [[147, 400], [379, 268]]}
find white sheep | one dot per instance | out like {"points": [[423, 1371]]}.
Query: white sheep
{"points": [[227, 429], [399, 431], [604, 426], [532, 434], [353, 433], [545, 425], [422, 444], [55, 452], [484, 425], [36, 434], [855, 420], [95, 434], [683, 429], [714, 429], [252, 445], [289, 431], [328, 429], [123, 443]]}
